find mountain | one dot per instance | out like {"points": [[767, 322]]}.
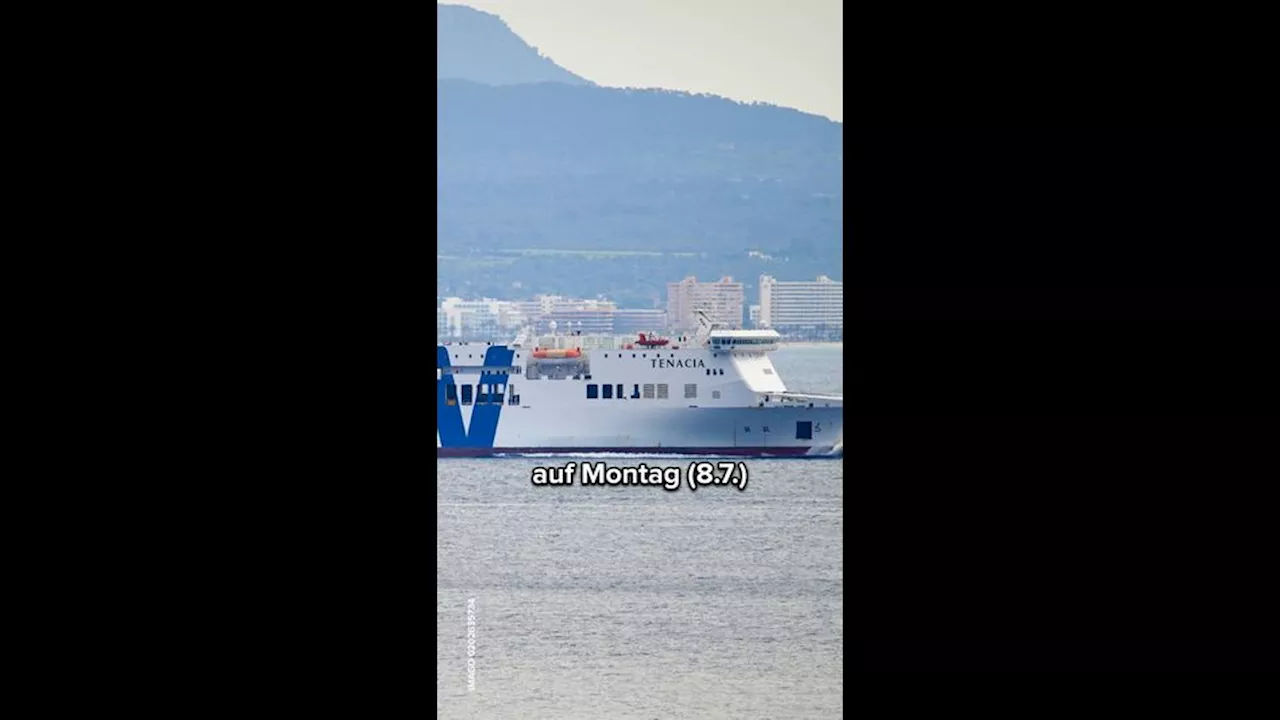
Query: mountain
{"points": [[575, 189], [474, 45]]}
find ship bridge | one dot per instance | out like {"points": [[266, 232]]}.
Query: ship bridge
{"points": [[743, 340], [719, 338]]}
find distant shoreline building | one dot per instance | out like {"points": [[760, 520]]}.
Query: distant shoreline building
{"points": [[468, 319], [805, 310], [442, 321], [587, 316], [722, 301], [494, 320], [632, 322], [487, 319]]}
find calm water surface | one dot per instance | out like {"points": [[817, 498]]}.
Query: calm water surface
{"points": [[636, 602]]}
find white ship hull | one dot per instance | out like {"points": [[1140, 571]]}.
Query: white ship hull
{"points": [[501, 400]]}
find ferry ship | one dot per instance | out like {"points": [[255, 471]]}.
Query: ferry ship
{"points": [[715, 393]]}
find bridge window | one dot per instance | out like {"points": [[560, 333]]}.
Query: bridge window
{"points": [[606, 392], [691, 390], [804, 430], [593, 391], [648, 391], [450, 394], [662, 391], [466, 394]]}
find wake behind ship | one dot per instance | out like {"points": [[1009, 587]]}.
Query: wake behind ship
{"points": [[717, 394]]}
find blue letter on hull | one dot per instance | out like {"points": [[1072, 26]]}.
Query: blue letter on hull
{"points": [[484, 417]]}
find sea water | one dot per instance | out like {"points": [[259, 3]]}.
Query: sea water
{"points": [[638, 601]]}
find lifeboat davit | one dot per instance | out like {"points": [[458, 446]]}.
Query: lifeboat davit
{"points": [[651, 341], [557, 354]]}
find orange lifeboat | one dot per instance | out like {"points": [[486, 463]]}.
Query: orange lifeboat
{"points": [[557, 354]]}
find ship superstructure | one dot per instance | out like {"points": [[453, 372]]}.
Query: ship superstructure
{"points": [[713, 393]]}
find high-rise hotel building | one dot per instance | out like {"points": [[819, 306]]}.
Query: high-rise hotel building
{"points": [[805, 310], [722, 301]]}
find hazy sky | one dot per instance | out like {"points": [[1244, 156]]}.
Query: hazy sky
{"points": [[785, 52]]}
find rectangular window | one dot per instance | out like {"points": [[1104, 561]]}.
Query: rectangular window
{"points": [[804, 430], [512, 398], [592, 391], [768, 371], [606, 392], [715, 394], [648, 391], [635, 392], [690, 390], [450, 394], [482, 393], [662, 391], [620, 393], [466, 394]]}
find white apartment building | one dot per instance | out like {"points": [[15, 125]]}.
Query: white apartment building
{"points": [[477, 319], [805, 310], [443, 328], [722, 301], [630, 322], [569, 314]]}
